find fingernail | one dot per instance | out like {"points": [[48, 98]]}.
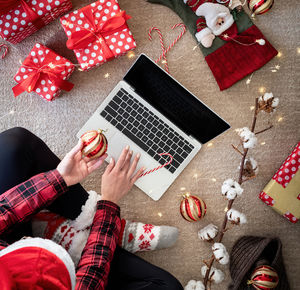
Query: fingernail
{"points": [[111, 160], [127, 147], [143, 168], [130, 152], [138, 155]]}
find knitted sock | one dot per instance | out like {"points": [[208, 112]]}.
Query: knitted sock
{"points": [[135, 236]]}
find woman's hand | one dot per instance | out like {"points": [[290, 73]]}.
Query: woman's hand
{"points": [[73, 168], [118, 178]]}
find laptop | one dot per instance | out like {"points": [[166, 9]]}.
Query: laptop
{"points": [[153, 113]]}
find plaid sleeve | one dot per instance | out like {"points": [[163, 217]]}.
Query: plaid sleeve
{"points": [[94, 265], [29, 197]]}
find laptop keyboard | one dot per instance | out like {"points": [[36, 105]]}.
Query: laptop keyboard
{"points": [[147, 130]]}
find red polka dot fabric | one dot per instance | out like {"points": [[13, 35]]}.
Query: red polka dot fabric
{"points": [[16, 24], [119, 43], [41, 55]]}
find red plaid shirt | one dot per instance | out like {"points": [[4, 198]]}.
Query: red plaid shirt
{"points": [[26, 199]]}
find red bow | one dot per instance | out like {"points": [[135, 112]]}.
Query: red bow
{"points": [[52, 71], [6, 5], [81, 39]]}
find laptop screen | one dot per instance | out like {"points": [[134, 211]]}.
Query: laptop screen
{"points": [[175, 102]]}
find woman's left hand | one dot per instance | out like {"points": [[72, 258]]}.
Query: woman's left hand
{"points": [[74, 168]]}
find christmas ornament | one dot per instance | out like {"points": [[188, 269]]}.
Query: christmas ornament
{"points": [[264, 277], [258, 7], [94, 144], [5, 48], [161, 166], [192, 208]]}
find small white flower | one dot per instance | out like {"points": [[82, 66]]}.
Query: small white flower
{"points": [[268, 102], [194, 285], [250, 167], [249, 139], [220, 253], [231, 189], [236, 217], [215, 275], [208, 233]]}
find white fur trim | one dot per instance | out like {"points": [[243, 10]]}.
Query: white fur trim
{"points": [[86, 217], [199, 35], [210, 9], [48, 245], [77, 245]]}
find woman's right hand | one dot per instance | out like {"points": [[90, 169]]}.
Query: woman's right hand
{"points": [[119, 177]]}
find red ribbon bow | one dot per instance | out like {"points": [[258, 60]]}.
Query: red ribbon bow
{"points": [[52, 71], [7, 5], [81, 39]]}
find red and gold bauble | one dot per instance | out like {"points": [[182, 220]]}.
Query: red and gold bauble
{"points": [[94, 144], [259, 6], [192, 208], [264, 278]]}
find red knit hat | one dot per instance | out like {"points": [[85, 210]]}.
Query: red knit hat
{"points": [[35, 263]]}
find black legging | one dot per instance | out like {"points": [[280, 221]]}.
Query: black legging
{"points": [[23, 155]]}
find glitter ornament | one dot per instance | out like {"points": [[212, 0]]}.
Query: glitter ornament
{"points": [[94, 144], [264, 277], [258, 7], [192, 208]]}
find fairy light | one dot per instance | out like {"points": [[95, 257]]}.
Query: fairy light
{"points": [[298, 50], [182, 188], [252, 108], [279, 54], [209, 144], [195, 175], [262, 90], [159, 214], [213, 180], [262, 143], [106, 75], [11, 112], [280, 119], [226, 209], [130, 54]]}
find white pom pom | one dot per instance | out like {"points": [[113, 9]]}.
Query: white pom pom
{"points": [[249, 139], [261, 41], [231, 189], [275, 102], [208, 233], [220, 253], [194, 285], [236, 217], [215, 275]]}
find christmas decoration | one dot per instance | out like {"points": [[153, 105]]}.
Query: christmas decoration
{"points": [[44, 72], [264, 277], [194, 285], [220, 253], [161, 166], [5, 48], [192, 208], [94, 144], [98, 33], [259, 7], [236, 52], [231, 189], [208, 233], [216, 275], [268, 103], [20, 18], [282, 192], [236, 217]]}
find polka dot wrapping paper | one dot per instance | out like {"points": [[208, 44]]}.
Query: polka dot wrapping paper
{"points": [[29, 16], [98, 33], [283, 192], [44, 72]]}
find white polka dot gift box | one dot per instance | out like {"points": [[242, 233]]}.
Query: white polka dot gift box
{"points": [[98, 33], [283, 192], [44, 72], [21, 18]]}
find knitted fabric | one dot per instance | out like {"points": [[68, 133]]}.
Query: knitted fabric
{"points": [[250, 252]]}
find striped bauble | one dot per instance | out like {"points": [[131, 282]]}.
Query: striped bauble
{"points": [[259, 6], [192, 208], [264, 278]]}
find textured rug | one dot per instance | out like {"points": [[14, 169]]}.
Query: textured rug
{"points": [[58, 122]]}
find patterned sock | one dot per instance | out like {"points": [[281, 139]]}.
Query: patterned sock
{"points": [[136, 237]]}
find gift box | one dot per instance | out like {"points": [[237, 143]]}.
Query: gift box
{"points": [[283, 192], [44, 72], [98, 33], [21, 18]]}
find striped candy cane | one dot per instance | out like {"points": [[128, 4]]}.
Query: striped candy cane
{"points": [[159, 167], [5, 47], [161, 44]]}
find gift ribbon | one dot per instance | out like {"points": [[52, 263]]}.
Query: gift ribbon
{"points": [[7, 5], [81, 39], [50, 70]]}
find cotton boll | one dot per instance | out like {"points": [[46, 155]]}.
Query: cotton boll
{"points": [[268, 103], [250, 167], [215, 275], [194, 285], [231, 189], [220, 253], [275, 102], [208, 233], [248, 138], [236, 217]]}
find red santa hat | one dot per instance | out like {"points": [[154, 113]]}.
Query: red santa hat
{"points": [[35, 263]]}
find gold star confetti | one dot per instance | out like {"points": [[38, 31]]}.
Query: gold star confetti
{"points": [[106, 75], [279, 54]]}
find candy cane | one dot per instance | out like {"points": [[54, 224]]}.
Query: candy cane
{"points": [[5, 47], [161, 44], [159, 167], [183, 30]]}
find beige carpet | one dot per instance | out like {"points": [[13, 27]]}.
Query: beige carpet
{"points": [[58, 122]]}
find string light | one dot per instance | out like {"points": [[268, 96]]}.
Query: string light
{"points": [[106, 75], [262, 143], [298, 50], [163, 61], [262, 90], [213, 180], [159, 214], [252, 108], [11, 112], [195, 175], [209, 144], [280, 119], [279, 54], [182, 188], [130, 54]]}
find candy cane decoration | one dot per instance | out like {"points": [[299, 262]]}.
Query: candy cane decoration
{"points": [[161, 44], [183, 30], [5, 47], [159, 167]]}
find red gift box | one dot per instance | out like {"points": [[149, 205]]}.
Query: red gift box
{"points": [[44, 72], [98, 33], [21, 18]]}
